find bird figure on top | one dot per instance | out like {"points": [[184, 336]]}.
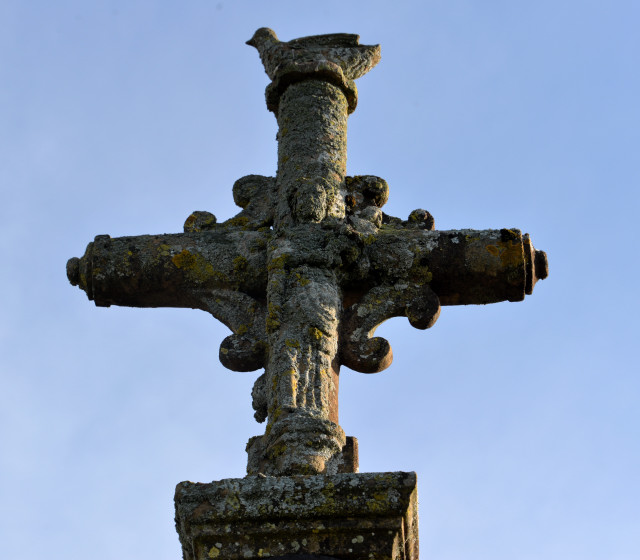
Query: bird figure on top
{"points": [[342, 49]]}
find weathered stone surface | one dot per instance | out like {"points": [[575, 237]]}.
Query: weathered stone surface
{"points": [[310, 266], [348, 516]]}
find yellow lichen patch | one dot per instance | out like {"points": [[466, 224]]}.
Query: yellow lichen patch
{"points": [[302, 280], [205, 224], [242, 329], [184, 259], [378, 503], [315, 333], [509, 252], [273, 318], [277, 414], [127, 258], [164, 250], [197, 266], [241, 221], [278, 263], [189, 222], [214, 552], [274, 412], [239, 264], [277, 450], [493, 250], [273, 417], [291, 343]]}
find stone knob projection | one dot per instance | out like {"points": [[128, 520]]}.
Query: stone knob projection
{"points": [[310, 266]]}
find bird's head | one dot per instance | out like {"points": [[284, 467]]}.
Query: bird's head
{"points": [[264, 36]]}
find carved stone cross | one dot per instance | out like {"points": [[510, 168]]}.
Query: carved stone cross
{"points": [[311, 265]]}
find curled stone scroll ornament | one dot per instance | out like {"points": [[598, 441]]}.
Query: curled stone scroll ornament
{"points": [[245, 349], [358, 350]]}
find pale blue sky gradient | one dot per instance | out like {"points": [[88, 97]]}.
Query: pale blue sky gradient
{"points": [[521, 420]]}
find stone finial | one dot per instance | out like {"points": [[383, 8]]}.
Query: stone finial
{"points": [[338, 58], [337, 49]]}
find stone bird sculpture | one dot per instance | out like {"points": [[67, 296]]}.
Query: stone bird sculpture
{"points": [[342, 49]]}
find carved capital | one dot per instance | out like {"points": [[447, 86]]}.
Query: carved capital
{"points": [[323, 70]]}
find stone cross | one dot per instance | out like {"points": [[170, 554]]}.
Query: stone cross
{"points": [[310, 266]]}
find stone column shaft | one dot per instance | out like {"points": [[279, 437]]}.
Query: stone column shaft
{"points": [[312, 152]]}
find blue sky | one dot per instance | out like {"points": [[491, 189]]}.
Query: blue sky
{"points": [[520, 419]]}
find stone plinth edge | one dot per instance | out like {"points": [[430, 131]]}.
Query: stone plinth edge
{"points": [[347, 516]]}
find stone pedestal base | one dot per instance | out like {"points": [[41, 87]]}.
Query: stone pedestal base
{"points": [[348, 516]]}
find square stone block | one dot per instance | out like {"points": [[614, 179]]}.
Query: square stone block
{"points": [[354, 516]]}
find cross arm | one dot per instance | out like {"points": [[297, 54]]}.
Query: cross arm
{"points": [[412, 272], [464, 267], [222, 272]]}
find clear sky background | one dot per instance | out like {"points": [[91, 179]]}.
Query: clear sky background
{"points": [[521, 419]]}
